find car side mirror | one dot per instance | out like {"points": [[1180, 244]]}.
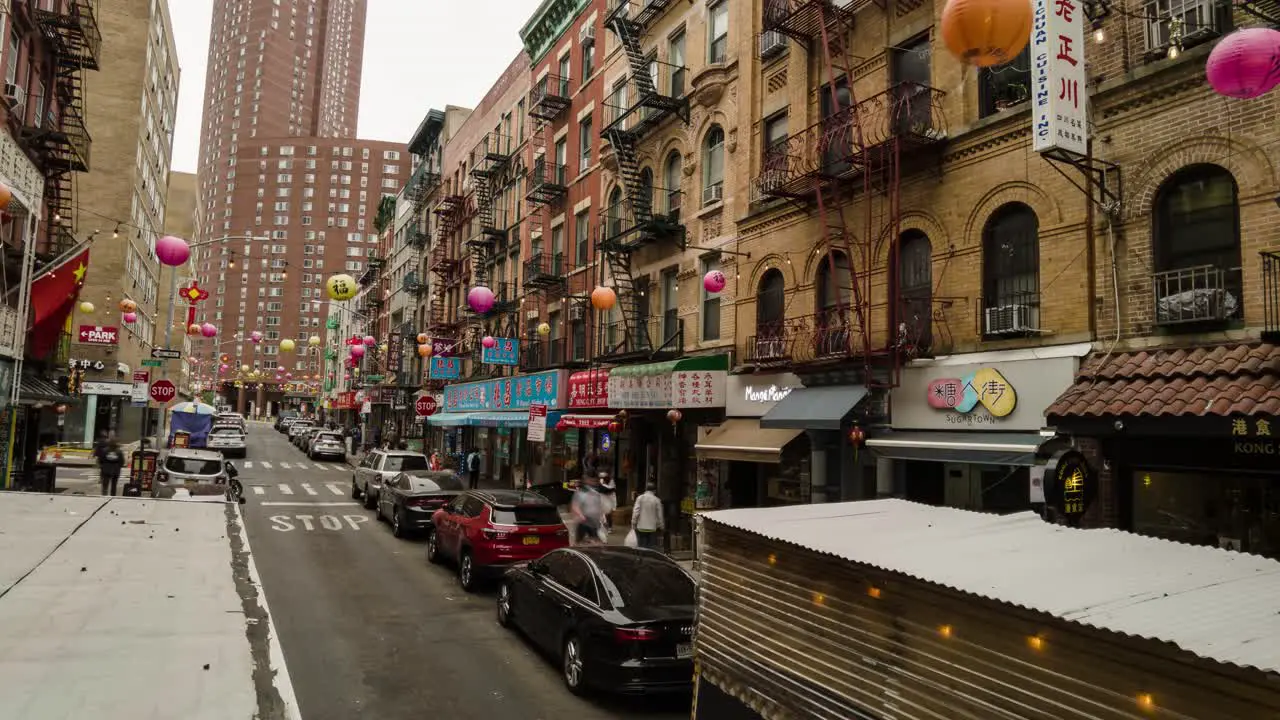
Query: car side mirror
{"points": [[537, 568]]}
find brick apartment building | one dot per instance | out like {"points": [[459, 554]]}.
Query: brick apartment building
{"points": [[288, 194]]}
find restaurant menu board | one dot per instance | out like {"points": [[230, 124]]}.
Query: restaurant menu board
{"points": [[142, 468]]}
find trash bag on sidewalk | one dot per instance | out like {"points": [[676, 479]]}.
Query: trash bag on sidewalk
{"points": [[631, 539]]}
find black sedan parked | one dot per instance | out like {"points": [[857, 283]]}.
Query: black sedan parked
{"points": [[408, 500], [620, 619]]}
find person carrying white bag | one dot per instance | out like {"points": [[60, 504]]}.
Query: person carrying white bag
{"points": [[646, 520]]}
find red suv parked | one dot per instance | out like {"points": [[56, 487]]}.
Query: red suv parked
{"points": [[484, 531]]}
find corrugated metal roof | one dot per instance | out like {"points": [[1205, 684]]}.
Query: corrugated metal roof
{"points": [[1218, 604]]}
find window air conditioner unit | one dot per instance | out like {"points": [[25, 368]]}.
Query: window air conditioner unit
{"points": [[1007, 319], [772, 43], [587, 32], [713, 193], [15, 95], [577, 311]]}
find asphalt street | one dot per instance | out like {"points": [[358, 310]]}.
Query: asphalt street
{"points": [[369, 628]]}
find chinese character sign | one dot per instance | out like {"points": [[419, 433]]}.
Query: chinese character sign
{"points": [[986, 387], [698, 388], [1060, 98], [446, 368], [505, 351], [589, 389], [514, 393], [640, 391]]}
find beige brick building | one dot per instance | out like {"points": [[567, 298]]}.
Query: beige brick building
{"points": [[123, 198]]}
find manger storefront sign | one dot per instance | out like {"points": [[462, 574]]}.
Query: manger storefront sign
{"points": [[755, 395]]}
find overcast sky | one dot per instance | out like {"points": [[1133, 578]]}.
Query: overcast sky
{"points": [[418, 55]]}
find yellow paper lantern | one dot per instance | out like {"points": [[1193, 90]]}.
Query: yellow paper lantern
{"points": [[342, 287], [244, 368], [603, 298], [314, 341], [87, 307], [544, 329], [287, 345], [193, 329], [128, 306]]}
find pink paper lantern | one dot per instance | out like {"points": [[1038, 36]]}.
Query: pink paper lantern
{"points": [[488, 341], [208, 330], [357, 351], [713, 281], [255, 337], [370, 341], [172, 251], [288, 376], [130, 317], [222, 368], [1245, 64], [480, 299]]}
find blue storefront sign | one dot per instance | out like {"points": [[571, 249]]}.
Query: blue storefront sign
{"points": [[513, 393], [506, 351], [446, 368]]}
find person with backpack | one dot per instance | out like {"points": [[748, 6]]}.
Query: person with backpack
{"points": [[110, 460], [588, 509], [473, 468]]}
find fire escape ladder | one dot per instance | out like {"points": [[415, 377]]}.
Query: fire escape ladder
{"points": [[629, 35], [638, 202], [635, 336]]}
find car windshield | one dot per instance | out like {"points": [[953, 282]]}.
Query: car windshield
{"points": [[398, 463], [526, 515], [646, 582], [435, 481], [329, 437], [192, 466]]}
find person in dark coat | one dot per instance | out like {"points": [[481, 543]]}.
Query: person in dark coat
{"points": [[110, 460]]}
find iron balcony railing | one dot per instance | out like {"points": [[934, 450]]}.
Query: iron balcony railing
{"points": [[1199, 294], [540, 353], [846, 142], [548, 182], [491, 154], [549, 97], [653, 214], [1270, 295], [544, 269], [648, 99], [652, 337]]}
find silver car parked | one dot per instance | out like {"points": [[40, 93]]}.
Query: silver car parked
{"points": [[200, 472], [379, 466]]}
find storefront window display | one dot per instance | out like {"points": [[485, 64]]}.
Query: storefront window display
{"points": [[1234, 512]]}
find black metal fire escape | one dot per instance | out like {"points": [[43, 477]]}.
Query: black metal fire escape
{"points": [[444, 264], [58, 134], [544, 269], [490, 159], [634, 222]]}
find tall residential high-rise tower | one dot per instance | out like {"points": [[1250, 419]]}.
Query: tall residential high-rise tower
{"points": [[288, 196]]}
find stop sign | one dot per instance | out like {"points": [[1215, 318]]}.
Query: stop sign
{"points": [[162, 391], [425, 405]]}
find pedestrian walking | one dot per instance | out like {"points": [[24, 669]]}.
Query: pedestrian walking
{"points": [[608, 499], [110, 460], [588, 510], [646, 518], [473, 468], [434, 462]]}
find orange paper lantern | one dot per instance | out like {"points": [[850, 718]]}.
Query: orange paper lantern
{"points": [[424, 350], [603, 298], [986, 32], [5, 195]]}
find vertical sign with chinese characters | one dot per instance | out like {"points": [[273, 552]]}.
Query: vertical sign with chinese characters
{"points": [[1061, 118], [505, 351]]}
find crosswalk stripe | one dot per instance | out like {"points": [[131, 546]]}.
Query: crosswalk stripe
{"points": [[266, 465], [286, 489], [248, 464], [306, 487], [284, 465], [259, 490], [334, 488]]}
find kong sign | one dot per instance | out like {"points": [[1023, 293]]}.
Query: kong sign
{"points": [[98, 335]]}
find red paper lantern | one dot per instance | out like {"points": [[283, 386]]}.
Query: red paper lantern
{"points": [[857, 436], [562, 426], [615, 426], [674, 416]]}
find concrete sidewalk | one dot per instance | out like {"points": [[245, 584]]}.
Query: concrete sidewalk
{"points": [[120, 608]]}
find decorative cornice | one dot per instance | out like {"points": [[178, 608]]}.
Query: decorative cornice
{"points": [[548, 24]]}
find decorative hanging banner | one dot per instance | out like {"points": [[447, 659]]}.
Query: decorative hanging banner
{"points": [[1060, 98], [445, 368]]}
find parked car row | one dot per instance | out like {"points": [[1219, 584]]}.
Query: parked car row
{"points": [[617, 619]]}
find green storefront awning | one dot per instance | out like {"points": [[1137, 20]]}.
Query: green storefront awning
{"points": [[699, 362]]}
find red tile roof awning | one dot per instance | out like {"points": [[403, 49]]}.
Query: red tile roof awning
{"points": [[1211, 381]]}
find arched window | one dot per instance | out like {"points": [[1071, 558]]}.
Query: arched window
{"points": [[915, 292], [614, 213], [834, 286], [671, 183], [1196, 247], [1011, 271], [713, 166], [770, 342]]}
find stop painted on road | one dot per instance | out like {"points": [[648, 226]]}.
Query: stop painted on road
{"points": [[317, 523]]}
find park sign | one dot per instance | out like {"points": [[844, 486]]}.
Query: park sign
{"points": [[99, 335]]}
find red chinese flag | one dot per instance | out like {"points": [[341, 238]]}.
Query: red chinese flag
{"points": [[53, 297]]}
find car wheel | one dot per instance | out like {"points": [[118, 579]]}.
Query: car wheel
{"points": [[355, 491], [505, 606], [397, 524], [368, 498], [467, 571], [572, 666], [433, 549]]}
